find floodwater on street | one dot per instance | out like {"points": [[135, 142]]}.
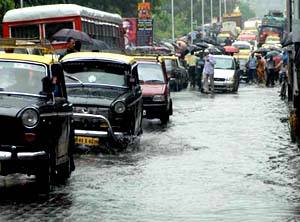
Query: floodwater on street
{"points": [[221, 158]]}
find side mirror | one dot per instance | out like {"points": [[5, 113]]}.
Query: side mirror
{"points": [[47, 87], [132, 81]]}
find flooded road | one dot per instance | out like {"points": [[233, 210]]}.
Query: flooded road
{"points": [[221, 158]]}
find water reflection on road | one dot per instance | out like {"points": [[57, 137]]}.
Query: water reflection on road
{"points": [[221, 158]]}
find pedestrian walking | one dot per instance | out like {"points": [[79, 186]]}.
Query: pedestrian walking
{"points": [[270, 71], [208, 71], [199, 70], [191, 61], [252, 64], [260, 69]]}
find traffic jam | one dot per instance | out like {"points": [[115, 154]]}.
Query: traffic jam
{"points": [[77, 97]]}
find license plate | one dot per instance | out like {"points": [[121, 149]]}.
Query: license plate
{"points": [[90, 141]]}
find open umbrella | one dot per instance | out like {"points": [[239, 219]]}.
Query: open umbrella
{"points": [[231, 49], [262, 50], [202, 45], [272, 53], [64, 34]]}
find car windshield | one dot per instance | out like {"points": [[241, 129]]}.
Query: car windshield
{"points": [[241, 46], [21, 77], [224, 63], [150, 73], [95, 72]]}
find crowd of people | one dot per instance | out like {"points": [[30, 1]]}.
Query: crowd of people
{"points": [[267, 69]]}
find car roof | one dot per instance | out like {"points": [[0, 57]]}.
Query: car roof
{"points": [[150, 58], [173, 57], [223, 56], [27, 57], [116, 57]]}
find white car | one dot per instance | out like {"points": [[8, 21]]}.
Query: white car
{"points": [[226, 77]]}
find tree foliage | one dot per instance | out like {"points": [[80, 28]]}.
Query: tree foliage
{"points": [[246, 11], [6, 5]]}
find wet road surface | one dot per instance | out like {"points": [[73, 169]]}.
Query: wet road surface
{"points": [[221, 158]]}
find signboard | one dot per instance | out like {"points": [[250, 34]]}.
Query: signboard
{"points": [[145, 32], [144, 10], [130, 28]]}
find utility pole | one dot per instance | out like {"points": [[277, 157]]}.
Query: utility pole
{"points": [[220, 10], [211, 11], [202, 19], [192, 18], [21, 4], [173, 22], [225, 7]]}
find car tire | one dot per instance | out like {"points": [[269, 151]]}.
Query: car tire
{"points": [[43, 177], [63, 172], [171, 108], [164, 119]]}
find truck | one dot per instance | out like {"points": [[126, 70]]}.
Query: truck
{"points": [[235, 16], [273, 24]]}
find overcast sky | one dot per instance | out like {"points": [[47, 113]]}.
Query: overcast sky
{"points": [[261, 7]]}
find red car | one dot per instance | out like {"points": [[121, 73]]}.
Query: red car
{"points": [[157, 102]]}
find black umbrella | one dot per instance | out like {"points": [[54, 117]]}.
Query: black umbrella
{"points": [[64, 34], [272, 53], [262, 50], [202, 45]]}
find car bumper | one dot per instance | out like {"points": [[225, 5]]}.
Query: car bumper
{"points": [[11, 155], [228, 86], [103, 137], [151, 111]]}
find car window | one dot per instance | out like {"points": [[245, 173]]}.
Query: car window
{"points": [[224, 63], [21, 77], [95, 72], [150, 73], [241, 46], [170, 64]]}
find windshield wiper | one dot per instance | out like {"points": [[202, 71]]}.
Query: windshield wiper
{"points": [[74, 78], [154, 80]]}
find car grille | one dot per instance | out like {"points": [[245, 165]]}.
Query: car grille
{"points": [[91, 110], [11, 131], [147, 99], [90, 123], [219, 79]]}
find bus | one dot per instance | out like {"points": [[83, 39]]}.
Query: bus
{"points": [[41, 22]]}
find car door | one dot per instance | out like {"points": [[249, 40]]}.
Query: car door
{"points": [[62, 115], [138, 100]]}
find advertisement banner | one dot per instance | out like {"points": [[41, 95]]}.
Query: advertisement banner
{"points": [[144, 10], [145, 32], [130, 28]]}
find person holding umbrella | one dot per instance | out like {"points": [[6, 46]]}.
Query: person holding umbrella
{"points": [[208, 71], [270, 71]]}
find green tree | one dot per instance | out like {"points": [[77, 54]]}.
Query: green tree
{"points": [[246, 11], [6, 5]]}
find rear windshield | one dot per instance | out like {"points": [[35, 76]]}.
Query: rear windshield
{"points": [[150, 73], [21, 77]]}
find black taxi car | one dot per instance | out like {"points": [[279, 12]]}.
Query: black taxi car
{"points": [[178, 75], [35, 116], [107, 98]]}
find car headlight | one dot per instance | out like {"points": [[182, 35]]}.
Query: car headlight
{"points": [[30, 118], [159, 98], [119, 107], [231, 79]]}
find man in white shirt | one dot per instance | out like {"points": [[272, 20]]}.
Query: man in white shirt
{"points": [[208, 71]]}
